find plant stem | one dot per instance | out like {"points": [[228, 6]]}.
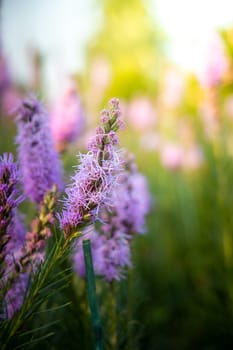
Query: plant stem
{"points": [[92, 298], [113, 317]]}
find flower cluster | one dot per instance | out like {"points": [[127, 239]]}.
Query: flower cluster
{"points": [[24, 252], [14, 296], [111, 241], [16, 283], [96, 175], [67, 118], [110, 254], [9, 200], [33, 252], [39, 162]]}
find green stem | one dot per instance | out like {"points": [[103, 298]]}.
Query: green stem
{"points": [[113, 317], [92, 298]]}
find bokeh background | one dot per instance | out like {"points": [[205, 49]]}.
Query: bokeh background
{"points": [[171, 65]]}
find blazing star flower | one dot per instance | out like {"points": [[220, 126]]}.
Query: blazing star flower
{"points": [[11, 227], [9, 200], [24, 252], [33, 252], [133, 202], [96, 174], [39, 162], [111, 255], [17, 232], [67, 118], [14, 296], [17, 285], [111, 240]]}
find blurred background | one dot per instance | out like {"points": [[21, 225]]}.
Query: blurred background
{"points": [[171, 65]]}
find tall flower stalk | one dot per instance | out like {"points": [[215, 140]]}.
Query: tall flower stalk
{"points": [[38, 160], [118, 224], [9, 200], [96, 176]]}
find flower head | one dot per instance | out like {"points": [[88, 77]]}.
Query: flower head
{"points": [[39, 162], [96, 175], [130, 202], [16, 282], [14, 296], [9, 200]]}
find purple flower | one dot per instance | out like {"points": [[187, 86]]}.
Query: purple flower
{"points": [[39, 162], [96, 176], [67, 118], [14, 296], [110, 241], [111, 255], [132, 202], [4, 76], [17, 233], [9, 200], [17, 285]]}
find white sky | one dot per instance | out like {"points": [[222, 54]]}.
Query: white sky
{"points": [[60, 28], [189, 23]]}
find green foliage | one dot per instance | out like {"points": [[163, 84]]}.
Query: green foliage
{"points": [[185, 265], [46, 281], [131, 42]]}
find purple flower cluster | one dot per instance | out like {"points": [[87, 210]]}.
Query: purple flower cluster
{"points": [[96, 175], [111, 241], [15, 293], [9, 200], [12, 234], [17, 233], [39, 162], [67, 117], [111, 255], [24, 251], [133, 202]]}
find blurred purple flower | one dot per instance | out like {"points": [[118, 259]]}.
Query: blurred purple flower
{"points": [[214, 63], [39, 162], [4, 76], [67, 117], [141, 113], [131, 202], [171, 156], [111, 255], [17, 233], [14, 296]]}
